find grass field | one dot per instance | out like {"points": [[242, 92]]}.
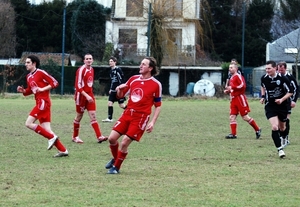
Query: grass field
{"points": [[185, 161]]}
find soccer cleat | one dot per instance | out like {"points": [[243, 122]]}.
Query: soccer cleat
{"points": [[102, 139], [231, 136], [110, 164], [77, 140], [258, 133], [51, 142], [281, 153], [107, 120], [113, 170], [62, 154]]}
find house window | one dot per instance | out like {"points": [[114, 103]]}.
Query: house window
{"points": [[134, 8], [127, 36], [169, 8], [127, 42]]}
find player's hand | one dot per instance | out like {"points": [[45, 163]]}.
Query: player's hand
{"points": [[293, 104], [20, 89], [262, 100], [226, 91], [89, 99], [149, 127], [278, 101]]}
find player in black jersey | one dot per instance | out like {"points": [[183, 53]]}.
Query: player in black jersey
{"points": [[117, 78], [275, 91], [282, 69]]}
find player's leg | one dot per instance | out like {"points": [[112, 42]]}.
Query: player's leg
{"points": [[95, 125], [252, 123], [114, 147], [30, 123], [76, 127], [58, 144], [282, 128], [232, 119], [110, 109], [80, 106]]}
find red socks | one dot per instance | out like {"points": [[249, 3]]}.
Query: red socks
{"points": [[40, 130], [253, 124], [120, 159], [76, 126], [233, 126], [114, 150], [96, 128]]}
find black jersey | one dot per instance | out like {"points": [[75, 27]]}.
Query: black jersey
{"points": [[117, 78], [295, 87], [275, 88]]}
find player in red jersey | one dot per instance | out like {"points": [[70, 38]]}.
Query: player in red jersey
{"points": [[238, 102], [39, 83], [84, 99], [144, 92]]}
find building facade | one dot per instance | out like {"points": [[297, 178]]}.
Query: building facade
{"points": [[127, 29]]}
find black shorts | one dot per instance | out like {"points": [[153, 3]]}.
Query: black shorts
{"points": [[277, 110], [113, 98]]}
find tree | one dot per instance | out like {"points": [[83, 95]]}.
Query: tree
{"points": [[88, 28], [257, 31], [7, 30], [226, 29]]}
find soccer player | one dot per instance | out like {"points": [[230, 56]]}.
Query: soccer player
{"points": [[144, 92], [85, 100], [39, 83], [117, 78], [275, 92], [238, 102], [293, 99]]}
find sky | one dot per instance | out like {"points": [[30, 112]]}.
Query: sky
{"points": [[106, 3]]}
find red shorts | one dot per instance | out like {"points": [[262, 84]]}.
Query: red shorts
{"points": [[132, 123], [82, 104], [42, 111], [239, 104]]}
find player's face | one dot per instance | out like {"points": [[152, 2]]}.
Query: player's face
{"points": [[144, 67], [30, 66], [232, 69], [112, 63], [281, 69], [271, 71], [88, 60]]}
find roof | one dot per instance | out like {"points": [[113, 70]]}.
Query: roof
{"points": [[45, 57], [285, 48]]}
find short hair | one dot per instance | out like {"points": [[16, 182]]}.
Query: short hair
{"points": [[87, 54], [271, 62], [234, 64], [233, 59], [282, 63], [153, 64], [34, 59], [113, 58]]}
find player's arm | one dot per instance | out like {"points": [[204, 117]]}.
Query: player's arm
{"points": [[263, 95], [121, 90], [52, 82], [155, 116]]}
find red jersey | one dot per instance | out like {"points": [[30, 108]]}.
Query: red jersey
{"points": [[84, 80], [143, 94], [238, 85], [39, 78]]}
